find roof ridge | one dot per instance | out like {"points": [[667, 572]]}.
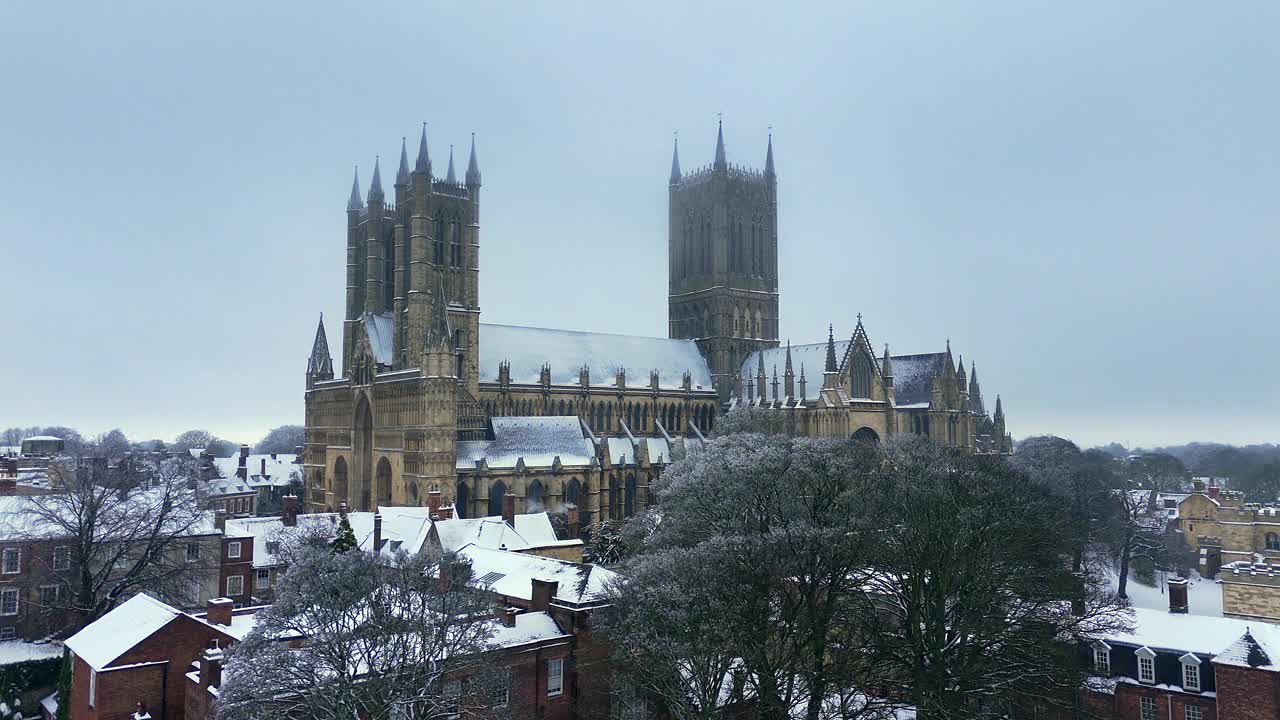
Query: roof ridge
{"points": [[583, 332]]}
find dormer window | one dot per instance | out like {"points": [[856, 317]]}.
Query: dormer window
{"points": [[1146, 666], [1102, 659], [1190, 672]]}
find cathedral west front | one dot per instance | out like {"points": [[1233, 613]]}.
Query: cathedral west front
{"points": [[430, 399]]}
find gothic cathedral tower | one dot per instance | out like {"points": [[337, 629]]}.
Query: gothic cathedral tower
{"points": [[723, 261]]}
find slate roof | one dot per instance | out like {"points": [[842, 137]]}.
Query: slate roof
{"points": [[528, 348], [511, 574], [911, 373], [539, 440], [1200, 634]]}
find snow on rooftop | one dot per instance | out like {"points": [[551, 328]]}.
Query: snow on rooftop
{"points": [[911, 373], [529, 627], [113, 634], [489, 532], [1200, 634], [578, 583], [536, 528], [539, 440], [604, 354]]}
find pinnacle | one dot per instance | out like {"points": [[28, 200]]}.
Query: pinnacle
{"points": [[720, 163], [423, 164], [355, 202], [473, 165], [451, 177], [402, 175], [675, 163]]}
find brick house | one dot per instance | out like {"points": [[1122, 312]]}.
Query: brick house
{"points": [[135, 658], [1178, 666]]}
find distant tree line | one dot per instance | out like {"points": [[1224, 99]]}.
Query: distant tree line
{"points": [[1253, 469], [114, 443]]}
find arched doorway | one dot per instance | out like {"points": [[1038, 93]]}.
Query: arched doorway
{"points": [[384, 482], [533, 497], [867, 435], [461, 500], [496, 492], [341, 489], [362, 449]]}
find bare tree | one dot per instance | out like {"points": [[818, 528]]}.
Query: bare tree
{"points": [[386, 640], [109, 540]]}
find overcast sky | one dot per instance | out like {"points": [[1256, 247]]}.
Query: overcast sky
{"points": [[1082, 196]]}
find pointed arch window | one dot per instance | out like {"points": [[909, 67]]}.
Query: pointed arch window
{"points": [[455, 244], [497, 492], [437, 243], [1273, 541], [860, 376]]}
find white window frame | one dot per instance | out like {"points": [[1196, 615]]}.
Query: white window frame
{"points": [[10, 593], [233, 550], [16, 554], [1190, 672], [239, 582], [57, 593], [262, 578], [555, 677], [93, 687], [1146, 666], [1102, 659], [62, 557], [1193, 712], [193, 552], [1145, 703], [8, 632]]}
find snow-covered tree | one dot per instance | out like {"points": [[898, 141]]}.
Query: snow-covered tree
{"points": [[120, 537], [385, 641]]}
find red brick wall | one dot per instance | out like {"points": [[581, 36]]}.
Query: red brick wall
{"points": [[1247, 694], [242, 566], [118, 691], [1128, 705], [35, 570]]}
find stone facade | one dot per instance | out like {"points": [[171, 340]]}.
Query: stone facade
{"points": [[1251, 591], [1220, 522]]}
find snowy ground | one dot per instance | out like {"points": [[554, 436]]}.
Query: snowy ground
{"points": [[16, 651], [1204, 597]]}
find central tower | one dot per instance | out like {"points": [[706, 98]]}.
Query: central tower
{"points": [[723, 261]]}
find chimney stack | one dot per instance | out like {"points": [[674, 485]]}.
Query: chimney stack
{"points": [[219, 611], [220, 519], [543, 591], [508, 616], [377, 533], [1178, 595], [289, 510], [572, 520], [242, 467], [1214, 490], [263, 471], [211, 666], [509, 509], [433, 503]]}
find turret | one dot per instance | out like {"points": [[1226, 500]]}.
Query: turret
{"points": [[473, 166], [831, 372], [802, 381], [720, 162], [320, 364], [675, 163], [975, 392], [886, 368]]}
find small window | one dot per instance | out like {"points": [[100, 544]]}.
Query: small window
{"points": [[1102, 661], [9, 601], [193, 552], [1194, 712], [1191, 676], [555, 677], [1273, 541], [233, 549], [8, 633], [50, 595], [61, 558], [1170, 504], [1146, 669], [1148, 708], [12, 561], [235, 585], [262, 578], [273, 547]]}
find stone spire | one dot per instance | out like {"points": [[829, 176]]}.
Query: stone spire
{"points": [[402, 175], [975, 392], [675, 163], [375, 186], [999, 417], [801, 381], [831, 350], [720, 163], [886, 365], [355, 202], [473, 165], [760, 376], [423, 164], [451, 177], [789, 375], [775, 382], [768, 159], [320, 363]]}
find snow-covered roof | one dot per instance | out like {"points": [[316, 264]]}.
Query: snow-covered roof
{"points": [[488, 532], [511, 574], [278, 469], [529, 627], [43, 438], [1200, 634], [115, 633], [567, 351], [380, 329], [535, 528], [539, 440], [911, 373]]}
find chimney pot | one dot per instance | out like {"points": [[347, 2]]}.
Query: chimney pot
{"points": [[509, 616], [543, 591], [377, 533], [509, 509]]}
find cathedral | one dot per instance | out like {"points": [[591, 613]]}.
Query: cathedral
{"points": [[431, 399]]}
